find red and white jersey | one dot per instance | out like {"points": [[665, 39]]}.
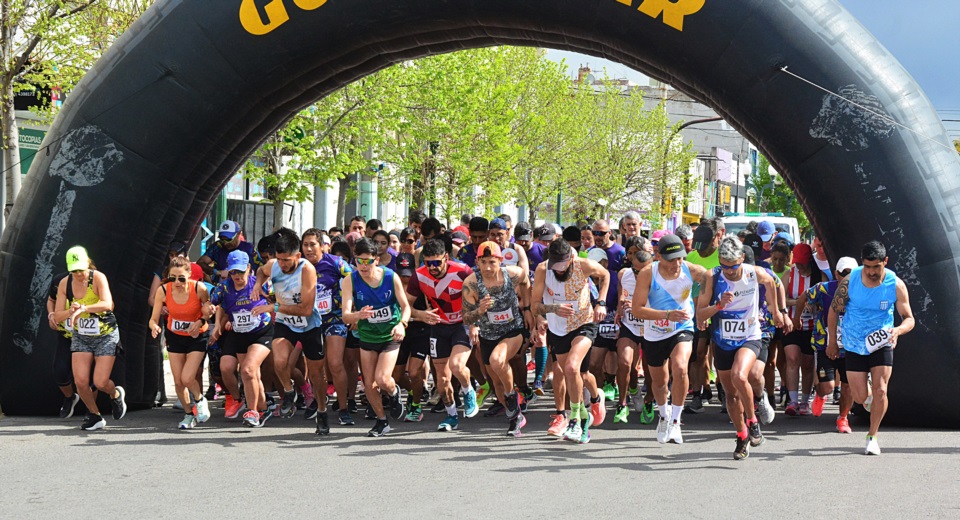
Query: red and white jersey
{"points": [[444, 294], [797, 284]]}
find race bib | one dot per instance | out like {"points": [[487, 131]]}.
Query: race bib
{"points": [[840, 332], [67, 326], [608, 331], [325, 302], [180, 326], [292, 321], [381, 315], [500, 317], [878, 339], [734, 330], [660, 327], [633, 320], [243, 322], [433, 348], [88, 326]]}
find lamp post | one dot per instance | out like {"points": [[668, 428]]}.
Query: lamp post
{"points": [[666, 153]]}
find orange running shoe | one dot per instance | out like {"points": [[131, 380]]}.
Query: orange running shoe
{"points": [[599, 410], [843, 425], [558, 423], [818, 403], [232, 407]]}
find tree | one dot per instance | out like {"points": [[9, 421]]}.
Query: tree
{"points": [[774, 196], [46, 43]]}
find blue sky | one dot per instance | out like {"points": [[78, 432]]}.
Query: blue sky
{"points": [[923, 34]]}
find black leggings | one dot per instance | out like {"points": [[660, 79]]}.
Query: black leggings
{"points": [[63, 363]]}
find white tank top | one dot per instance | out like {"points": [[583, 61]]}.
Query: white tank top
{"points": [[739, 321], [631, 322], [669, 295], [575, 291]]}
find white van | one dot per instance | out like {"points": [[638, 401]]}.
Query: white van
{"points": [[736, 222]]}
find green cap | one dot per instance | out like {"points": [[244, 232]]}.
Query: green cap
{"points": [[77, 259]]}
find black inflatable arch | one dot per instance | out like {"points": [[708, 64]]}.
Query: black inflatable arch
{"points": [[153, 133]]}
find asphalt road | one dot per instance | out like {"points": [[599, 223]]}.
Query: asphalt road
{"points": [[143, 466]]}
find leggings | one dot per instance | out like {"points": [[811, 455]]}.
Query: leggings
{"points": [[63, 363]]}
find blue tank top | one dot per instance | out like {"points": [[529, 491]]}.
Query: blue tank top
{"points": [[669, 295], [868, 312], [739, 321], [237, 305], [288, 288]]}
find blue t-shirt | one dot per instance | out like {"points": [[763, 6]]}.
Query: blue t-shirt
{"points": [[219, 255], [467, 255], [237, 305]]}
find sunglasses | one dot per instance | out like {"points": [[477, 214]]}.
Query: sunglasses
{"points": [[181, 279], [433, 263], [366, 261], [236, 272], [409, 241], [599, 233], [845, 272], [730, 267]]}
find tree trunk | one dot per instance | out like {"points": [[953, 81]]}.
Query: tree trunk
{"points": [[278, 220], [343, 185], [11, 146]]}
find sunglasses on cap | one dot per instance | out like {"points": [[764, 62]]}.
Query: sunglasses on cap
{"points": [[366, 261], [433, 263], [181, 279]]}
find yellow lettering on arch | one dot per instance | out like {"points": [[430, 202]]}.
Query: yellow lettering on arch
{"points": [[250, 18], [673, 11], [309, 5]]}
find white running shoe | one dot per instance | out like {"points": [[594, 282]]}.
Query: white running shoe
{"points": [[873, 447], [203, 410], [188, 422], [662, 427], [674, 434], [766, 412]]}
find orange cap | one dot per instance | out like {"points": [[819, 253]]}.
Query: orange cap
{"points": [[489, 248]]}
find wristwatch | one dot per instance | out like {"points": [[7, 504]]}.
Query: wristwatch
{"points": [[602, 303], [783, 311], [276, 308]]}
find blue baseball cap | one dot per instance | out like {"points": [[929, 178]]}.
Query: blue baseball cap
{"points": [[498, 223], [766, 230], [787, 237], [237, 261], [228, 230]]}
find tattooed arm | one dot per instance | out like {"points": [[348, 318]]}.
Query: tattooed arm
{"points": [[837, 308], [471, 301]]}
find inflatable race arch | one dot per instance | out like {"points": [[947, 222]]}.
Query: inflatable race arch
{"points": [[156, 129]]}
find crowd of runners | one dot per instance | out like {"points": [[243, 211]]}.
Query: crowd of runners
{"points": [[461, 318]]}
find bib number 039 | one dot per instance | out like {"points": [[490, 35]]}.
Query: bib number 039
{"points": [[878, 339]]}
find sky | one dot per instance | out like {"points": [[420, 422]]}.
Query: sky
{"points": [[923, 34]]}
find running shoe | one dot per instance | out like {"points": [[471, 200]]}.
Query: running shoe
{"points": [[424, 395], [352, 406], [69, 403], [873, 447], [843, 425], [616, 393], [323, 424], [415, 414], [301, 401], [515, 424], [439, 407], [707, 394], [647, 413], [609, 391], [470, 407], [818, 403], [674, 434], [573, 432], [662, 426], [598, 410], [632, 390], [396, 405], [311, 411], [288, 406], [331, 390], [696, 405], [791, 410], [93, 422], [512, 405], [188, 422], [586, 424], [119, 404], [765, 412], [743, 449], [804, 409], [449, 424], [784, 396], [232, 407], [538, 388], [622, 414], [755, 435], [836, 395], [211, 394], [345, 419], [558, 423], [308, 396], [528, 396], [203, 410], [380, 428], [868, 402], [482, 393], [531, 366], [251, 418], [494, 409], [264, 417], [370, 415]]}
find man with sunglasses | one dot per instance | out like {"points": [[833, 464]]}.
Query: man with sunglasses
{"points": [[561, 294], [866, 299], [730, 295], [817, 301], [214, 261], [440, 281]]}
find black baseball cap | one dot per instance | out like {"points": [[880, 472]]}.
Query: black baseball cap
{"points": [[671, 247], [571, 234], [754, 242], [547, 232], [405, 264], [523, 231], [702, 237]]}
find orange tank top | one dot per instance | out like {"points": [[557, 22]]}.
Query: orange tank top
{"points": [[180, 316]]}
